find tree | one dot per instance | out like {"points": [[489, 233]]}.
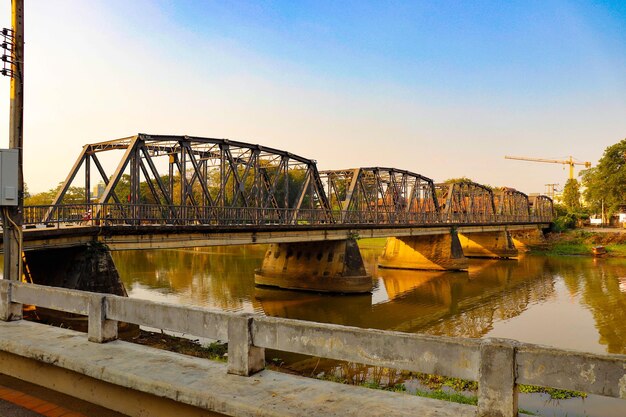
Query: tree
{"points": [[40, 199], [571, 195], [72, 196], [460, 179], [606, 182]]}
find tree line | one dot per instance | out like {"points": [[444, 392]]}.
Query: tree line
{"points": [[603, 189]]}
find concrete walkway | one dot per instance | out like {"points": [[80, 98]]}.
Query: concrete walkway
{"points": [[205, 384]]}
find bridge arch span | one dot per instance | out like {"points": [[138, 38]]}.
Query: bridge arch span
{"points": [[511, 205], [465, 201], [542, 208], [380, 195], [207, 180]]}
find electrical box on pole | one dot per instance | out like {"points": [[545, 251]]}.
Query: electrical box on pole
{"points": [[9, 160]]}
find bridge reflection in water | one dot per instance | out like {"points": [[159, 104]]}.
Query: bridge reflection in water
{"points": [[494, 298], [444, 303]]}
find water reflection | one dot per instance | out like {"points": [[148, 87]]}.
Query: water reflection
{"points": [[503, 298], [219, 277], [599, 287]]}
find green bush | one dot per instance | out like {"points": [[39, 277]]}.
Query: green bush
{"points": [[567, 221]]}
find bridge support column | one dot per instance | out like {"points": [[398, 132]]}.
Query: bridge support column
{"points": [[488, 245], [87, 268], [329, 266], [431, 252], [523, 239]]}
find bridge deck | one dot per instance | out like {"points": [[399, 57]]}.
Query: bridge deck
{"points": [[205, 384], [124, 237]]}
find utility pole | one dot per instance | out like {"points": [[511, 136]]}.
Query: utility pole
{"points": [[551, 190], [12, 216]]}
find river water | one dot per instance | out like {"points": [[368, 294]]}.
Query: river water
{"points": [[567, 302]]}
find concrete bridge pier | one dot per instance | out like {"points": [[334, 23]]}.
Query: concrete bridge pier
{"points": [[488, 245], [523, 239], [430, 252], [327, 266], [88, 268]]}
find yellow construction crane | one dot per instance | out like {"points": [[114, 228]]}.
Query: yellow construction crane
{"points": [[569, 162]]}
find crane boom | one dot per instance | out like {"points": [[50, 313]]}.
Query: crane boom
{"points": [[569, 162]]}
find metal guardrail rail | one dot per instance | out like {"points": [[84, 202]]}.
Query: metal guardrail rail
{"points": [[498, 365], [152, 214]]}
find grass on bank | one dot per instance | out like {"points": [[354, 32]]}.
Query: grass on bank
{"points": [[455, 390], [214, 351], [581, 242], [437, 394], [555, 394], [454, 397]]}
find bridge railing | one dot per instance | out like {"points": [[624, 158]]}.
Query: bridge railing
{"points": [[147, 214], [155, 214], [497, 364]]}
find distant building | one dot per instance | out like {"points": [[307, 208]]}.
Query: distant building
{"points": [[98, 190], [618, 219]]}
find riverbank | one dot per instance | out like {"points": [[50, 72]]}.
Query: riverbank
{"points": [[580, 242]]}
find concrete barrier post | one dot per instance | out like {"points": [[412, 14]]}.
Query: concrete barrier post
{"points": [[243, 358], [9, 311], [497, 391], [100, 329]]}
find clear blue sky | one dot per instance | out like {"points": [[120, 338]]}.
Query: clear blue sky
{"points": [[443, 88], [525, 48]]}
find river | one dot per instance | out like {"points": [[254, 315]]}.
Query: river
{"points": [[566, 302]]}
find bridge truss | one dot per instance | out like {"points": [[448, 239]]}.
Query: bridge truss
{"points": [[465, 201], [380, 195], [512, 204], [187, 180], [542, 207], [208, 181]]}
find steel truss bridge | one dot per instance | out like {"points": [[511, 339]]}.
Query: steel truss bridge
{"points": [[192, 181]]}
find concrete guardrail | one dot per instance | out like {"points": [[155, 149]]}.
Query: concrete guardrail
{"points": [[498, 365]]}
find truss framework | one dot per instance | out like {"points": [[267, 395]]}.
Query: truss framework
{"points": [[223, 182], [466, 202], [205, 178], [380, 195], [510, 203], [542, 207]]}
